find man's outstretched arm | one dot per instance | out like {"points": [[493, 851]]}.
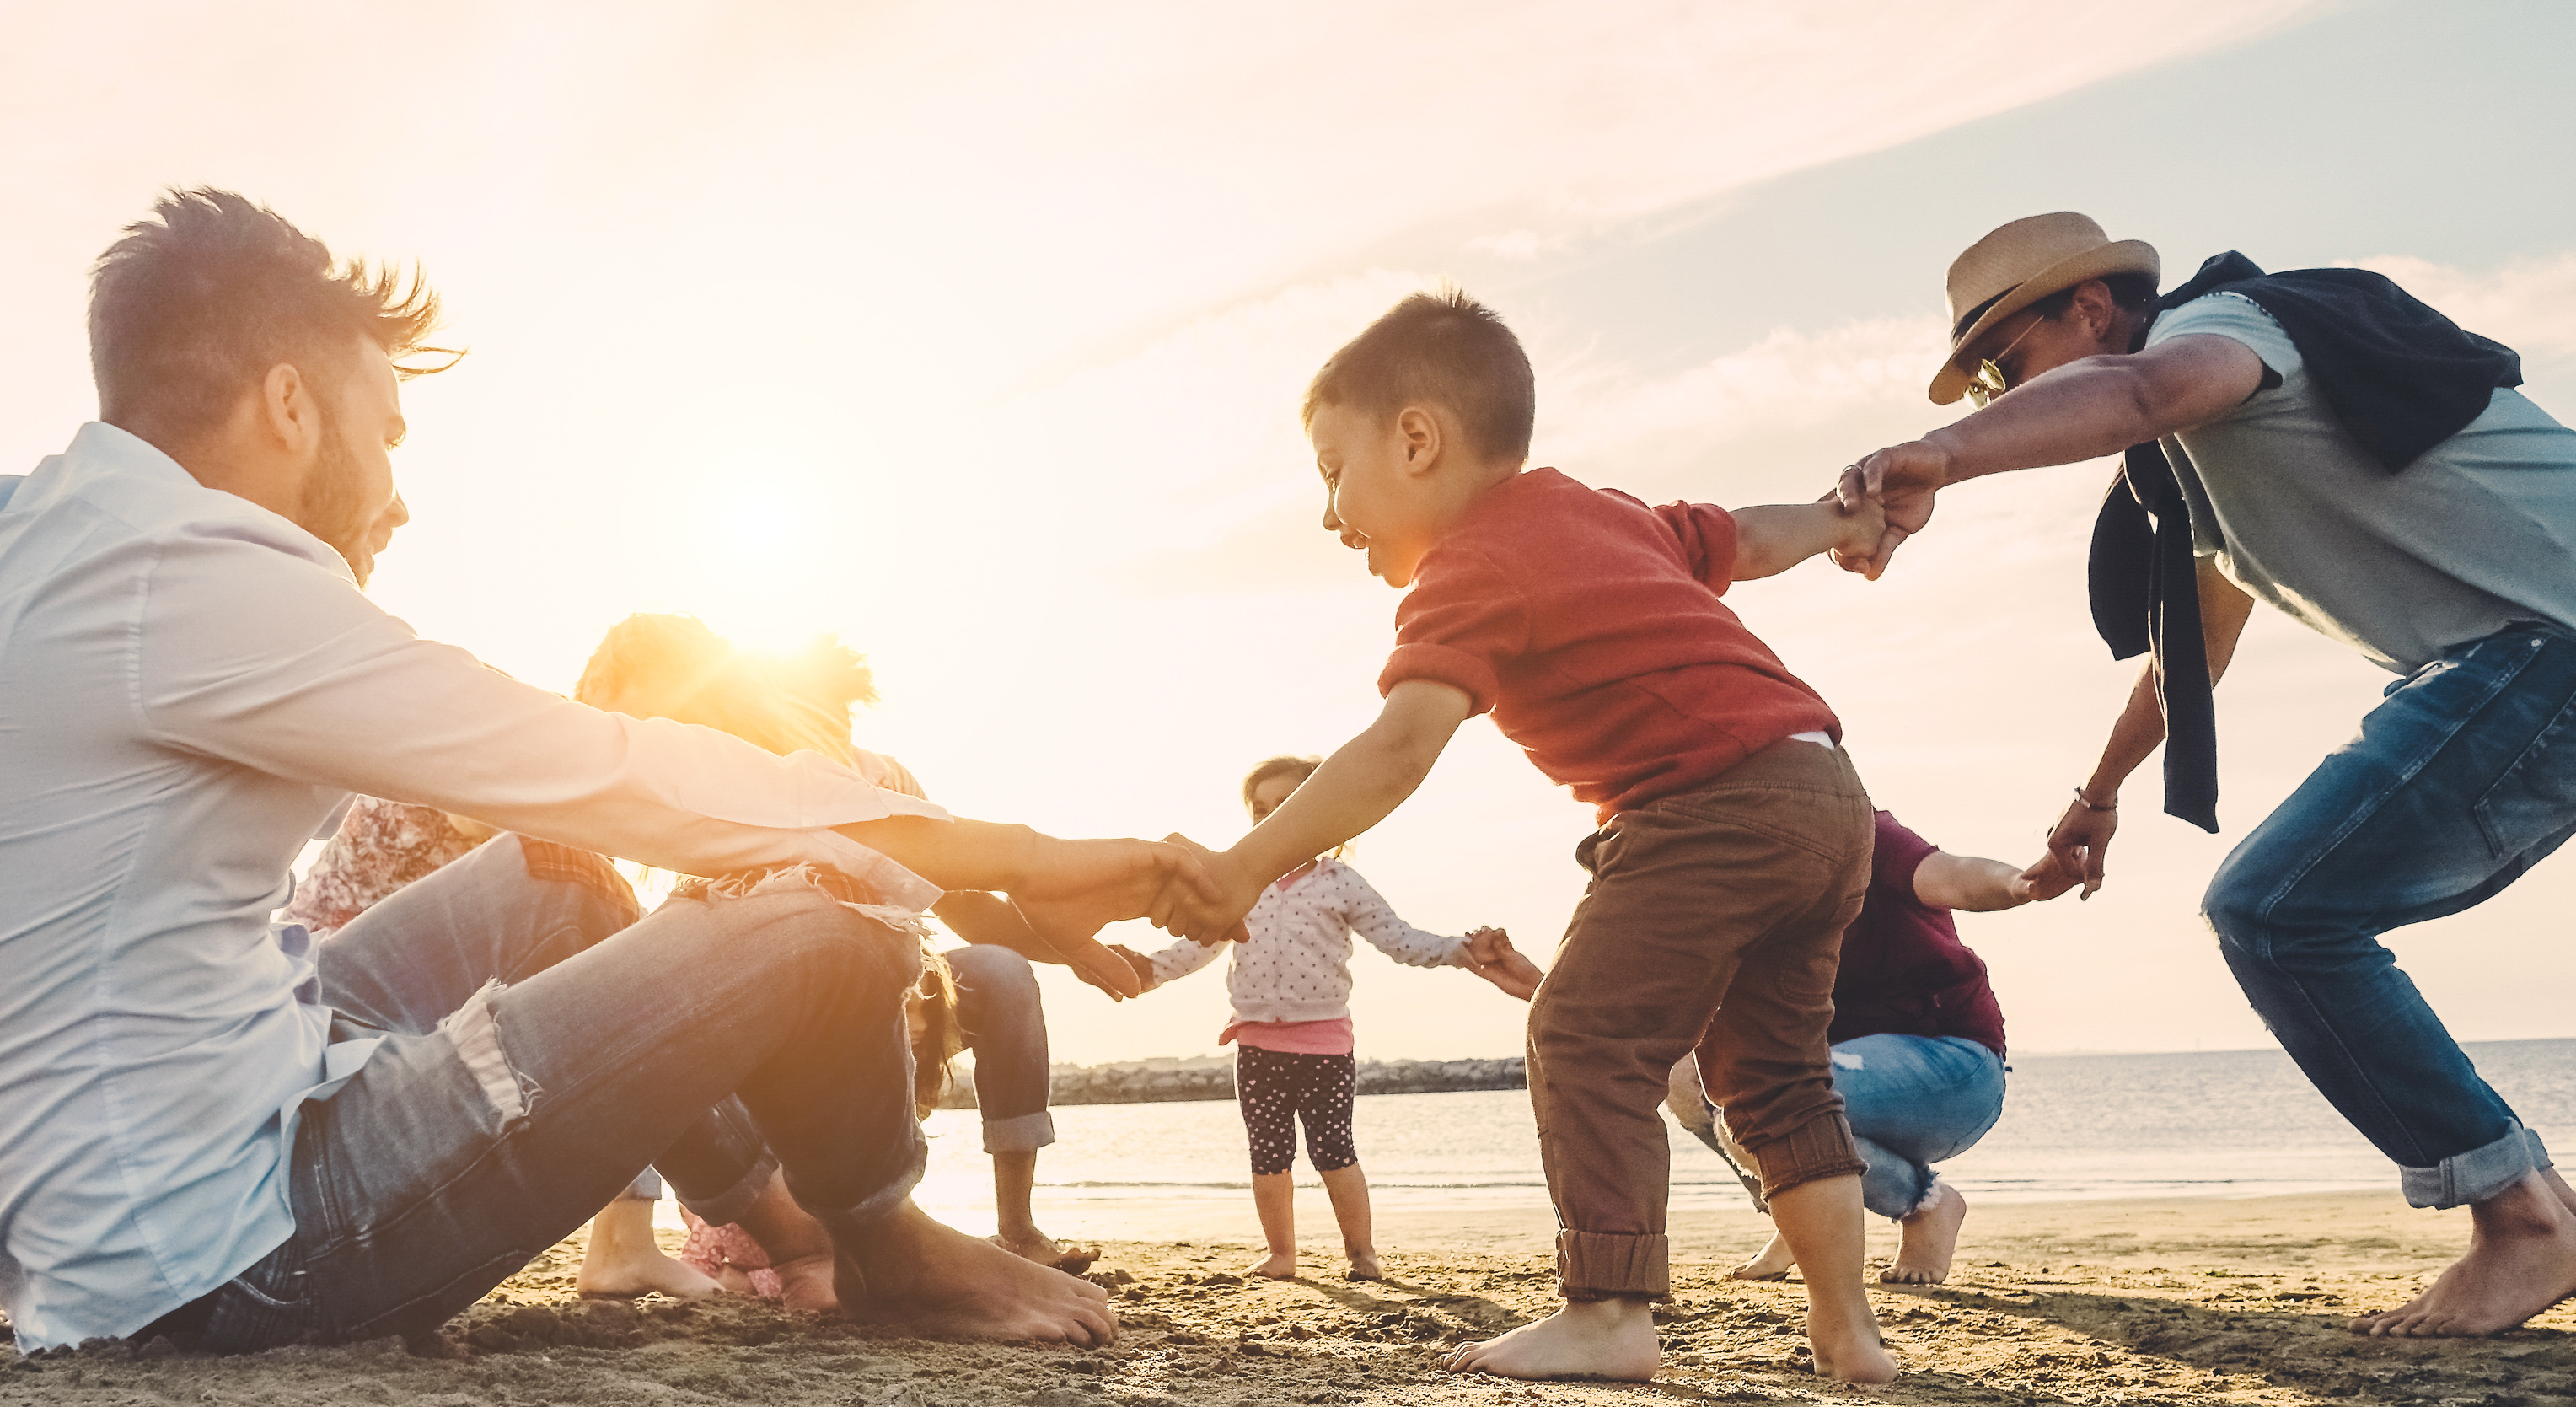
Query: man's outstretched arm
{"points": [[1364, 780], [2083, 410]]}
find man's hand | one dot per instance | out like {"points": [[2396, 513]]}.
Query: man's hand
{"points": [[1902, 479], [1137, 962], [1074, 888], [2043, 881], [2079, 841]]}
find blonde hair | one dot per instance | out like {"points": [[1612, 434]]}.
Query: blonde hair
{"points": [[1284, 765], [674, 667]]}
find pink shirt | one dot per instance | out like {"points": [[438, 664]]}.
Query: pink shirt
{"points": [[1293, 1037]]}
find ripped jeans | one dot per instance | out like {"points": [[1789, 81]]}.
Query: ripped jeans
{"points": [[538, 1050]]}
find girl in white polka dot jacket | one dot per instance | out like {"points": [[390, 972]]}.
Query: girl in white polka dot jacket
{"points": [[1291, 986]]}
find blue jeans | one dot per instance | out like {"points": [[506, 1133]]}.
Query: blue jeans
{"points": [[2462, 780], [1914, 1101], [998, 1009], [537, 1052]]}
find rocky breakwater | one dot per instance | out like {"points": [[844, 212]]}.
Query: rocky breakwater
{"points": [[1169, 1079]]}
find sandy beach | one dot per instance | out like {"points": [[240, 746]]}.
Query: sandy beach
{"points": [[2173, 1301]]}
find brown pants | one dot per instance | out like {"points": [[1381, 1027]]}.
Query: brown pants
{"points": [[1718, 913]]}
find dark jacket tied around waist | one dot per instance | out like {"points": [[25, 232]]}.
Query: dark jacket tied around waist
{"points": [[2400, 376]]}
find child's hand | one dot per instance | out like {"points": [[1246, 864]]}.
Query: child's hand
{"points": [[2043, 881], [1508, 970], [1207, 906], [1142, 965], [1076, 887], [1864, 523], [1487, 945]]}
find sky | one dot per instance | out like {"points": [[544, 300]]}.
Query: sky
{"points": [[975, 333]]}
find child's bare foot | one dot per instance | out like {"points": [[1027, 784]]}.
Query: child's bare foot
{"points": [[909, 1268], [1773, 1263], [1612, 1339], [622, 1262], [1364, 1267], [1927, 1239], [1847, 1344], [1278, 1265], [2521, 1260]]}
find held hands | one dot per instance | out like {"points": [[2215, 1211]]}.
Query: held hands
{"points": [[2043, 881], [1075, 888], [1208, 904], [1490, 955], [1901, 479], [2076, 846]]}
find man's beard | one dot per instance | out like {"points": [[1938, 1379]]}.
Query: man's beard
{"points": [[334, 506]]}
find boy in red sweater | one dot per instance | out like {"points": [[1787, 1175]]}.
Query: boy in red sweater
{"points": [[1734, 837]]}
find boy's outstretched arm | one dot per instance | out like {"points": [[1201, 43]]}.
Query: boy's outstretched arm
{"points": [[1773, 537], [1364, 780]]}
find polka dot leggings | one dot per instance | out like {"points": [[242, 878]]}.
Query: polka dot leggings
{"points": [[1277, 1089]]}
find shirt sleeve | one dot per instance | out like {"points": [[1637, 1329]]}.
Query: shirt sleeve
{"points": [[1708, 538], [1462, 620], [252, 654], [1180, 960], [1370, 916], [1895, 854], [2239, 319]]}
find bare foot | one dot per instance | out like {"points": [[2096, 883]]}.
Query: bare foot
{"points": [[1613, 1339], [909, 1268], [2521, 1260], [1847, 1344], [1926, 1240], [622, 1262], [1278, 1265], [1047, 1251], [1364, 1267], [1773, 1263], [809, 1283]]}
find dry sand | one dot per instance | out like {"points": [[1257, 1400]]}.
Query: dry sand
{"points": [[2182, 1301]]}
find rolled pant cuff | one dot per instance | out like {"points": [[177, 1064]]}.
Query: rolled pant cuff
{"points": [[1818, 1149], [1025, 1134], [2476, 1175], [728, 1208], [1601, 1265]]}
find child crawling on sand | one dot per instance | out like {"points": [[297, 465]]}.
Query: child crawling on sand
{"points": [[1291, 1026], [1734, 835]]}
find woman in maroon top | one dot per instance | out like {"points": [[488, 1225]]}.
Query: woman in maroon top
{"points": [[1918, 1042]]}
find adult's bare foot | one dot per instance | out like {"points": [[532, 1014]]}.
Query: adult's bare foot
{"points": [[1042, 1249], [908, 1268], [1612, 1339], [1364, 1266], [1772, 1263], [1278, 1265], [1926, 1239], [622, 1262], [2521, 1260]]}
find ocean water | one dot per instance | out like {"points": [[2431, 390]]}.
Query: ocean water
{"points": [[2219, 1124]]}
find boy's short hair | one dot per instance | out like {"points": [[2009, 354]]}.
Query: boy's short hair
{"points": [[194, 304], [1444, 349]]}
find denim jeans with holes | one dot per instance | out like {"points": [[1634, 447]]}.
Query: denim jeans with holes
{"points": [[2461, 781], [538, 1052]]}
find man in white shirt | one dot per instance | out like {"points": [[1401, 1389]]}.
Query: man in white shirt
{"points": [[192, 684]]}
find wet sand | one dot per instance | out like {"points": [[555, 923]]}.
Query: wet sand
{"points": [[2178, 1301]]}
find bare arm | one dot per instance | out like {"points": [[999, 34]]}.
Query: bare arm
{"points": [[2083, 834], [1947, 881], [1364, 780], [978, 916], [1773, 537], [2082, 410]]}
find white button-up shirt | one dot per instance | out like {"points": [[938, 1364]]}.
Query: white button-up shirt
{"points": [[190, 688]]}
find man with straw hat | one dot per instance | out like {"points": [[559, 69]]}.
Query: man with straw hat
{"points": [[2321, 441]]}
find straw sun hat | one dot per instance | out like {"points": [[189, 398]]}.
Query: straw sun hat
{"points": [[2020, 264]]}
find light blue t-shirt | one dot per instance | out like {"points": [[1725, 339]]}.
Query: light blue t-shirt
{"points": [[2476, 535]]}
